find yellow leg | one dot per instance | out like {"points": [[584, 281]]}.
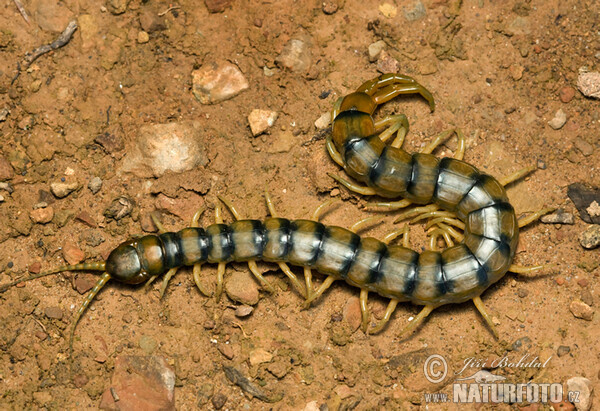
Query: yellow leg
{"points": [[220, 277], [437, 140], [254, 269], [326, 284], [533, 217], [388, 238], [309, 283], [364, 190], [336, 108], [460, 151], [288, 272], [333, 153], [166, 280], [394, 123], [452, 221], [481, 308], [386, 317], [196, 270], [417, 321], [529, 271], [388, 206], [517, 175], [416, 211], [360, 225], [431, 214], [157, 223], [364, 309], [320, 210]]}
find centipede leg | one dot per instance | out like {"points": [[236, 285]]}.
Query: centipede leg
{"points": [[481, 308], [416, 211], [364, 309], [254, 269], [388, 86], [442, 137], [388, 205], [324, 286], [333, 153], [309, 283], [336, 108], [220, 277], [386, 317], [364, 190], [388, 238], [360, 225], [517, 175], [166, 279], [284, 267], [157, 223], [394, 123], [417, 321], [197, 268], [533, 217], [320, 210], [529, 271]]}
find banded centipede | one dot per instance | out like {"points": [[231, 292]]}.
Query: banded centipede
{"points": [[432, 278]]}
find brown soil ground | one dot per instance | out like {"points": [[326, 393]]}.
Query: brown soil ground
{"points": [[495, 69]]}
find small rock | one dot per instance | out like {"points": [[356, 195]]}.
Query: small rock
{"points": [[388, 10], [516, 71], [85, 282], [559, 120], [72, 254], [563, 350], [226, 350], [151, 22], [352, 313], [243, 311], [581, 310], [415, 12], [261, 120], [117, 7], [558, 217], [86, 219], [95, 185], [330, 7], [312, 406], [120, 208], [587, 297], [522, 293], [54, 313], [4, 114], [241, 287], [143, 37], [259, 356], [387, 64], [42, 215], [295, 56], [589, 84], [323, 121], [216, 82], [584, 198], [278, 368], [218, 400], [61, 190], [566, 94], [142, 383], [110, 141], [35, 268], [282, 142], [159, 148], [6, 170], [148, 344], [584, 387], [590, 238], [586, 148], [217, 6], [375, 50]]}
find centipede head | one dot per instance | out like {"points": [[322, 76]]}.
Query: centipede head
{"points": [[124, 265]]}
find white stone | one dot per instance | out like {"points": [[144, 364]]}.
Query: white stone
{"points": [[584, 387], [261, 120], [323, 121], [216, 82], [589, 84], [375, 49], [559, 120]]}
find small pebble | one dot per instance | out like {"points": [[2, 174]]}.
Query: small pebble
{"points": [[330, 6], [243, 311], [388, 10], [584, 387], [54, 313], [261, 120], [295, 56], [323, 121], [587, 297], [581, 310], [72, 254], [148, 344], [584, 198], [216, 82], [217, 6], [516, 71], [375, 50], [559, 120], [119, 208], [590, 238], [560, 280], [387, 64], [586, 148], [61, 190], [566, 94], [558, 217], [589, 84], [259, 356], [563, 350], [86, 219], [95, 184], [35, 268], [143, 37], [84, 283], [541, 164], [110, 141], [522, 293], [218, 400], [415, 11], [226, 350], [42, 215], [241, 287], [278, 368], [6, 170]]}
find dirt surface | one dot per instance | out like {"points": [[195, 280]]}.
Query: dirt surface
{"points": [[499, 70]]}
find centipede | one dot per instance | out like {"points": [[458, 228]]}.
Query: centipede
{"points": [[449, 192]]}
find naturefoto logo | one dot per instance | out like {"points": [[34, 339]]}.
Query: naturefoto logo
{"points": [[483, 386]]}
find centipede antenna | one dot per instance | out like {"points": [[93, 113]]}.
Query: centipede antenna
{"points": [[364, 190], [481, 308], [517, 175], [88, 299], [533, 217], [93, 266]]}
